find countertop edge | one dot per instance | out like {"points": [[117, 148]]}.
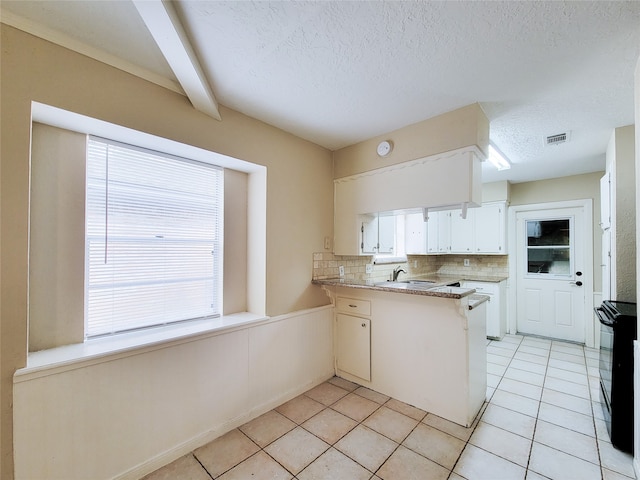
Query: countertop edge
{"points": [[476, 299], [380, 288]]}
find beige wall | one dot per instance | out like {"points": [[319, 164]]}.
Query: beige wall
{"points": [[496, 191], [463, 127], [56, 250], [575, 187], [621, 166], [299, 178], [236, 189]]}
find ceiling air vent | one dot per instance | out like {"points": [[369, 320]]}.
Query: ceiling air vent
{"points": [[557, 139]]}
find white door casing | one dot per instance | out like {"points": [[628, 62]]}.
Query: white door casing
{"points": [[549, 302]]}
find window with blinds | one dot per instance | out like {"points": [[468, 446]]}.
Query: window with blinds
{"points": [[153, 239]]}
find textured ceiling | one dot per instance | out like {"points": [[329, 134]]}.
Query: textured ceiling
{"points": [[339, 72]]}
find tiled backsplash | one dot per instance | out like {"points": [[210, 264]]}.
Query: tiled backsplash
{"points": [[484, 265], [326, 265]]}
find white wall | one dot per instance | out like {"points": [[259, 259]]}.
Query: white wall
{"points": [[127, 414]]}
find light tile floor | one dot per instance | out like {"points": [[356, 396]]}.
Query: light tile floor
{"points": [[542, 420]]}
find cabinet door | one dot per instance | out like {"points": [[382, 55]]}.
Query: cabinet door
{"points": [[353, 353], [490, 229], [444, 232], [386, 233], [415, 234], [432, 232], [462, 231], [369, 232], [496, 308]]}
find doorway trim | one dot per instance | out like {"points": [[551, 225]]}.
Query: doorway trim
{"points": [[587, 205]]}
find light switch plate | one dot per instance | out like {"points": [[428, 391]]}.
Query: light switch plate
{"points": [[368, 268], [341, 270], [466, 262]]}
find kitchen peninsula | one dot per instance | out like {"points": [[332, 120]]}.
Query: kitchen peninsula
{"points": [[422, 344]]}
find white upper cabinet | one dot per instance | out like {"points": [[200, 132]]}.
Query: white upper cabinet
{"points": [[489, 225], [386, 233], [369, 234], [377, 234], [462, 231], [483, 232], [439, 232], [415, 234]]}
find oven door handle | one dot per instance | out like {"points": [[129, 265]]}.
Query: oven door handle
{"points": [[604, 319]]}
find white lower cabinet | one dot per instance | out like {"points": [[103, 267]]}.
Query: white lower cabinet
{"points": [[496, 306], [353, 337]]}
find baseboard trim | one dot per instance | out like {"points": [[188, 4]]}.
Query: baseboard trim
{"points": [[188, 446]]}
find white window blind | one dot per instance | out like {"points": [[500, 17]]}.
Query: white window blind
{"points": [[153, 238]]}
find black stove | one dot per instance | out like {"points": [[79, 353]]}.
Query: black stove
{"points": [[618, 330]]}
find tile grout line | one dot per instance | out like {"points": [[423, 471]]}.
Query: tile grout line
{"points": [[203, 467], [535, 424], [479, 419], [593, 419]]}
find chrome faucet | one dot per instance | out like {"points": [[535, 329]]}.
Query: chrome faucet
{"points": [[396, 272]]}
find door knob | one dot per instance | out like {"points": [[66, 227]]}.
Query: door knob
{"points": [[578, 283]]}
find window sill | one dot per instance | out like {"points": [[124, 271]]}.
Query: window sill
{"points": [[70, 357]]}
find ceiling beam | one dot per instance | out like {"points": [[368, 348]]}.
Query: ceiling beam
{"points": [[165, 27]]}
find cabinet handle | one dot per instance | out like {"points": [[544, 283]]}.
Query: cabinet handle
{"points": [[351, 305], [364, 325]]}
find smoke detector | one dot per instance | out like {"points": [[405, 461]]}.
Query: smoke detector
{"points": [[557, 139]]}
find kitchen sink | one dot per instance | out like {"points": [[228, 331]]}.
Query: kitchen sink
{"points": [[419, 285], [408, 284], [393, 284]]}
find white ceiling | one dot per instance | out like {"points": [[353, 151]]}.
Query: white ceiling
{"points": [[339, 72]]}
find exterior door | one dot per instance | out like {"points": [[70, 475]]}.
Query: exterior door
{"points": [[550, 268]]}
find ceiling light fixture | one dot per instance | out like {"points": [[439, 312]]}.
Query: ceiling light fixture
{"points": [[497, 159]]}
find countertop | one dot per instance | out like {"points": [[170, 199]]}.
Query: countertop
{"points": [[477, 299], [439, 287]]}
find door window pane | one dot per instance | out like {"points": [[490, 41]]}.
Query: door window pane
{"points": [[549, 246]]}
